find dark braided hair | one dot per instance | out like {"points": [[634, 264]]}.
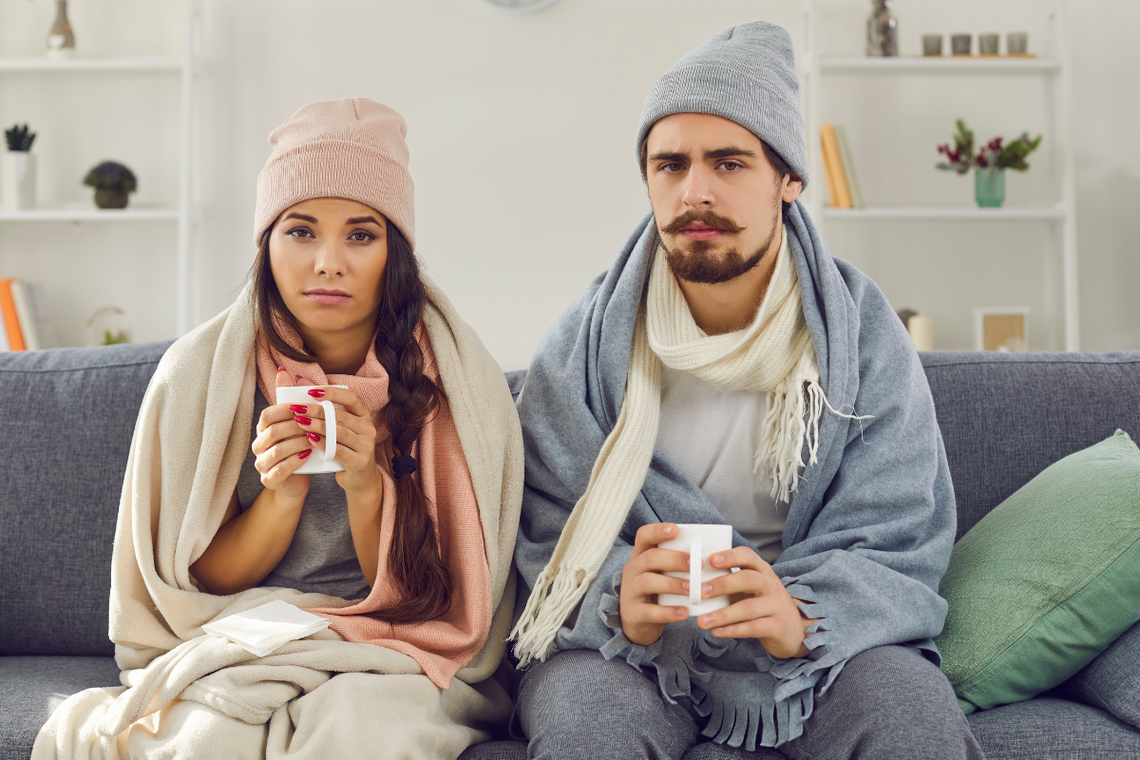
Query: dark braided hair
{"points": [[414, 562]]}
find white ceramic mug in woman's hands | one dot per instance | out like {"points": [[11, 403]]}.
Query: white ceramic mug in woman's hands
{"points": [[323, 459], [699, 541]]}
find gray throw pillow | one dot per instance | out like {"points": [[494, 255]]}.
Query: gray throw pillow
{"points": [[1112, 681]]}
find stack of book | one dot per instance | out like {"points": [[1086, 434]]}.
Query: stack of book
{"points": [[839, 169], [25, 324]]}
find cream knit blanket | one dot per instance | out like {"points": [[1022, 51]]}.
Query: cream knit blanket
{"points": [[774, 354], [189, 695]]}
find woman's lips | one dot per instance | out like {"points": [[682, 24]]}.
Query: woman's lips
{"points": [[328, 297]]}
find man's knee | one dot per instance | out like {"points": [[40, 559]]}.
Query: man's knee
{"points": [[578, 704]]}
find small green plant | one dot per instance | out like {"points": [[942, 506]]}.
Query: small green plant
{"points": [[19, 138], [112, 338], [111, 176], [993, 155]]}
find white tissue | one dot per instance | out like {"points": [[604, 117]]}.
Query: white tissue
{"points": [[262, 629]]}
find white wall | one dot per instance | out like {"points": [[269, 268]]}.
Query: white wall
{"points": [[521, 134]]}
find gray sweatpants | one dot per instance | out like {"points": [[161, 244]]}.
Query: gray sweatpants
{"points": [[889, 703]]}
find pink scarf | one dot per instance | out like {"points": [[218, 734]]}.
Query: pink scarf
{"points": [[444, 645]]}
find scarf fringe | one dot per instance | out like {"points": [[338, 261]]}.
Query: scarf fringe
{"points": [[557, 592]]}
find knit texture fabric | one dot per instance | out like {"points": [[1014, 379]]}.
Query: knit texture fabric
{"points": [[868, 532], [746, 73], [445, 644], [352, 148]]}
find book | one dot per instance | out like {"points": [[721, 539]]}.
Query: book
{"points": [[45, 328], [25, 313], [848, 167], [11, 318], [833, 164]]}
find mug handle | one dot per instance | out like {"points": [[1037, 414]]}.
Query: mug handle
{"points": [[330, 430], [695, 552]]}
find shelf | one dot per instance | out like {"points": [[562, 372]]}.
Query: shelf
{"points": [[90, 215], [966, 65], [92, 64], [1056, 213]]}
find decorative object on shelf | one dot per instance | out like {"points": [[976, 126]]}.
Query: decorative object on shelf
{"points": [[112, 182], [882, 31], [107, 326], [988, 43], [1017, 43], [932, 44], [61, 40], [920, 328], [990, 162], [961, 44], [1001, 329], [19, 169]]}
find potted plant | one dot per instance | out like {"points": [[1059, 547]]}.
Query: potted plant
{"points": [[989, 163], [19, 169], [112, 183]]}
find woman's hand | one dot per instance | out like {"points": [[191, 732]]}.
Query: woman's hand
{"points": [[281, 446], [355, 437]]}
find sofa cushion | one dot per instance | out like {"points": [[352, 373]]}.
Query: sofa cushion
{"points": [[1112, 681], [1047, 728], [1007, 416], [31, 687], [70, 414], [1047, 580]]}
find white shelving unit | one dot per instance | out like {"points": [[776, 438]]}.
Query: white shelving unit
{"points": [[186, 214], [1056, 70]]}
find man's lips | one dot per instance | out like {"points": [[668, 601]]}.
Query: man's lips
{"points": [[699, 231], [329, 297]]}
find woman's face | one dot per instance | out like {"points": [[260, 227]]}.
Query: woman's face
{"points": [[328, 257]]}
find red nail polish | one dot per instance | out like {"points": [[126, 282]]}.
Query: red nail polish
{"points": [[314, 437], [305, 454], [297, 378], [302, 420], [317, 393], [298, 408], [280, 369]]}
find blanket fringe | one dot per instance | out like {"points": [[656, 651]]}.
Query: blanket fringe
{"points": [[557, 593]]}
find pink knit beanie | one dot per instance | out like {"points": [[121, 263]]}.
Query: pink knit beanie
{"points": [[352, 148]]}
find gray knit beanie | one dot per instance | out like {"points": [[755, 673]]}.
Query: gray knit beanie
{"points": [[747, 74]]}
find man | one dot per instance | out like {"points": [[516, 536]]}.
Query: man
{"points": [[727, 369]]}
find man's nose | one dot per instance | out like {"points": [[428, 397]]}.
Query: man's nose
{"points": [[698, 188]]}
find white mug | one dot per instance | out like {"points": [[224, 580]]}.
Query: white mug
{"points": [[319, 461], [700, 541]]}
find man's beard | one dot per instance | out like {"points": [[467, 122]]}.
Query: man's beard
{"points": [[697, 264]]}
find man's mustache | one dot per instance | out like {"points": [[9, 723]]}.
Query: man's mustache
{"points": [[706, 217]]}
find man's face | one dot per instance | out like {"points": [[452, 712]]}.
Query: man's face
{"points": [[716, 197]]}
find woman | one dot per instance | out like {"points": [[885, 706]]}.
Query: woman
{"points": [[406, 552]]}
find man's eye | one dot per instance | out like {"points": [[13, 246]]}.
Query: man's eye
{"points": [[731, 166], [674, 167]]}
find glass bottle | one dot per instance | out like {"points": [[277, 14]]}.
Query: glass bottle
{"points": [[882, 30], [61, 40]]}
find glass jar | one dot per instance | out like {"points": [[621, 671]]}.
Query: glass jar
{"points": [[882, 30]]}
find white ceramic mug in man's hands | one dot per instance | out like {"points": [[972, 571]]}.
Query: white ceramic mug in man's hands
{"points": [[699, 542], [323, 460]]}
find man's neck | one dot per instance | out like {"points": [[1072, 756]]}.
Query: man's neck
{"points": [[725, 307]]}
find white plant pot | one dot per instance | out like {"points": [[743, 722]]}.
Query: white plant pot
{"points": [[18, 180]]}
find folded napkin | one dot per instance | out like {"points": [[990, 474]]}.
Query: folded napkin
{"points": [[262, 629]]}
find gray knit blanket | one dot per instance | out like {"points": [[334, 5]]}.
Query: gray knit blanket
{"points": [[868, 533]]}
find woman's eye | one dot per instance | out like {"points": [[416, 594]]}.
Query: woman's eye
{"points": [[360, 236], [299, 232]]}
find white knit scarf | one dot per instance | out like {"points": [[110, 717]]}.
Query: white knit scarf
{"points": [[774, 354]]}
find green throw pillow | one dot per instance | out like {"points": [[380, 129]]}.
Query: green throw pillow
{"points": [[1047, 580]]}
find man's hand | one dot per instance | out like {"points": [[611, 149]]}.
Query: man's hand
{"points": [[643, 577], [761, 607]]}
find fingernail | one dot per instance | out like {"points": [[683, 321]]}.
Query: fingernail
{"points": [[305, 454], [704, 619], [314, 437], [297, 378], [317, 392], [280, 369], [303, 420], [680, 612], [706, 589], [298, 408], [685, 585]]}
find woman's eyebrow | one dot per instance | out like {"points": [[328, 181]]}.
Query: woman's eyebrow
{"points": [[302, 217], [363, 219]]}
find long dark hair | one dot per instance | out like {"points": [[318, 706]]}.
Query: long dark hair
{"points": [[413, 561]]}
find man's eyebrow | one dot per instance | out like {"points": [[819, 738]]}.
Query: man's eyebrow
{"points": [[669, 157], [363, 219], [302, 217], [729, 153]]}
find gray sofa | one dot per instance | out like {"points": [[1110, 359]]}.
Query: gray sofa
{"points": [[68, 416]]}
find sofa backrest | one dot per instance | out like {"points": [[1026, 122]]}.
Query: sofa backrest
{"points": [[1006, 417], [69, 415]]}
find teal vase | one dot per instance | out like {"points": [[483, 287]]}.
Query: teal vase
{"points": [[989, 187]]}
